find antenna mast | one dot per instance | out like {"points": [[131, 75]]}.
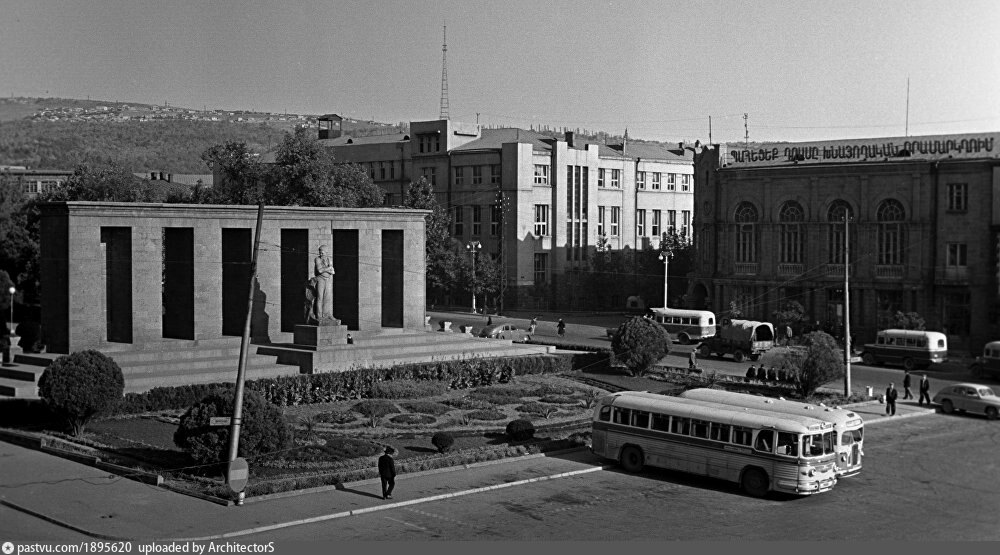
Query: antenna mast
{"points": [[746, 131], [444, 76]]}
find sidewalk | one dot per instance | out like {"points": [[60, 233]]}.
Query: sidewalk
{"points": [[874, 411]]}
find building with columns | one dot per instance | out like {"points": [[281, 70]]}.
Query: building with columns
{"points": [[923, 232]]}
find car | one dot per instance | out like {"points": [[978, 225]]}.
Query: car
{"points": [[505, 331], [968, 397]]}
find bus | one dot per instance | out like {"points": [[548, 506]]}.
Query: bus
{"points": [[686, 326], [760, 450], [850, 427], [911, 348]]}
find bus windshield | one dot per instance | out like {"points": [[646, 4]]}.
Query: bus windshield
{"points": [[817, 445]]}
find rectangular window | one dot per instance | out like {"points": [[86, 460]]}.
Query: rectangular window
{"points": [[661, 422], [459, 176], [671, 221], [958, 196], [640, 419], [494, 220], [742, 435], [381, 170], [680, 425], [477, 220], [719, 432], [699, 428], [616, 178], [640, 180], [656, 181], [957, 255], [600, 177], [541, 174], [388, 199], [615, 217], [685, 222], [685, 182], [371, 170], [541, 220], [459, 221], [622, 416], [640, 223], [430, 174], [392, 170], [600, 220], [655, 227], [671, 181], [494, 173], [477, 175], [541, 267]]}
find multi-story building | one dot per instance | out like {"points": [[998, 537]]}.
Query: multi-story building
{"points": [[545, 203], [923, 232], [35, 182]]}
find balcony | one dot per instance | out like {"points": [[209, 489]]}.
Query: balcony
{"points": [[790, 269], [837, 270], [746, 268], [889, 271]]}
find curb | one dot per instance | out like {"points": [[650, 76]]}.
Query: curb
{"points": [[58, 522], [900, 416]]}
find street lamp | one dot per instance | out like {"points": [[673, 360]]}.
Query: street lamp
{"points": [[666, 266], [11, 290], [472, 247]]}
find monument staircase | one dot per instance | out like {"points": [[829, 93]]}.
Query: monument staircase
{"points": [[181, 362]]}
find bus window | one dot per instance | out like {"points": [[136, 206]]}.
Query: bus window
{"points": [[711, 321], [940, 343], [640, 419], [719, 432], [622, 416], [922, 342], [605, 415], [788, 444], [699, 428], [847, 438], [765, 439], [661, 422], [818, 444], [741, 435], [680, 425]]}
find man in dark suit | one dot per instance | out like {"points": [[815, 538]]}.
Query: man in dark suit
{"points": [[890, 400], [925, 390], [907, 394], [387, 472]]}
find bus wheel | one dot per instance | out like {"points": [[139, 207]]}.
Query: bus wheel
{"points": [[632, 460], [947, 407], [868, 359], [754, 482], [908, 364], [683, 339], [738, 356], [991, 413], [704, 351]]}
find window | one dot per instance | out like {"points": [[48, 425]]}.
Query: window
{"points": [[600, 220], [541, 267], [640, 223], [765, 441], [459, 176], [371, 170], [494, 173], [655, 227], [640, 180], [686, 222], [429, 142], [719, 432], [494, 220], [671, 181], [430, 174], [477, 220], [615, 216], [788, 443], [957, 255], [640, 419], [392, 170], [699, 428], [381, 170], [680, 425], [746, 235], [477, 175], [661, 422], [541, 174], [742, 435], [388, 199], [600, 177], [616, 178], [958, 197], [541, 220], [656, 181], [791, 217], [671, 220], [890, 216], [685, 182], [459, 221], [838, 211]]}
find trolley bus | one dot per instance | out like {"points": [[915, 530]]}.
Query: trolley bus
{"points": [[687, 326], [850, 427], [760, 450]]}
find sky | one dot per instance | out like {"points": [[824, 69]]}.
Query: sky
{"points": [[799, 70]]}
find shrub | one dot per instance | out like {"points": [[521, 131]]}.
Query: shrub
{"points": [[549, 389], [534, 407], [262, 430], [375, 409], [820, 361], [337, 417], [408, 389], [413, 419], [335, 449], [466, 403], [443, 441], [80, 386], [486, 414], [427, 407], [496, 397], [559, 400], [639, 344], [520, 429], [591, 397]]}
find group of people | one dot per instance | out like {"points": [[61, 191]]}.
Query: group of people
{"points": [[773, 375], [891, 394]]}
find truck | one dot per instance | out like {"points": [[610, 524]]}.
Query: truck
{"points": [[741, 338]]}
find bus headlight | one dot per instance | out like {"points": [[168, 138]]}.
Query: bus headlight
{"points": [[843, 457], [811, 473]]}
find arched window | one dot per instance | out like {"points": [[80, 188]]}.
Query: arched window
{"points": [[890, 217], [838, 210], [746, 232], [791, 217]]}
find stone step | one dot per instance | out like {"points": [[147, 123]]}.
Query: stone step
{"points": [[21, 372], [146, 367], [386, 359], [146, 382], [18, 389]]}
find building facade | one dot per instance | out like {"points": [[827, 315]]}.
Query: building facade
{"points": [[541, 205], [922, 232], [35, 182]]}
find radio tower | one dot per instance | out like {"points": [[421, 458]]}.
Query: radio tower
{"points": [[444, 76]]}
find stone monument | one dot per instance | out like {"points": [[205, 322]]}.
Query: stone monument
{"points": [[321, 329]]}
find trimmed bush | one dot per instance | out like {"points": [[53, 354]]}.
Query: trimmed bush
{"points": [[496, 397], [547, 389], [559, 400], [427, 407], [639, 344], [80, 386], [466, 403], [408, 389], [443, 441], [413, 419], [486, 414], [375, 409], [262, 430], [520, 429], [337, 417]]}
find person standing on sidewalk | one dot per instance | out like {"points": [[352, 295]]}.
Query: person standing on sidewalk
{"points": [[890, 400], [925, 390], [387, 472], [532, 326], [561, 326], [907, 394]]}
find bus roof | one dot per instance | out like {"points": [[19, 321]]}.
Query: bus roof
{"points": [[740, 416], [914, 333], [992, 345], [835, 415], [682, 312]]}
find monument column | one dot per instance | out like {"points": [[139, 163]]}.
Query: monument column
{"points": [[269, 278], [370, 276], [207, 279], [147, 281]]}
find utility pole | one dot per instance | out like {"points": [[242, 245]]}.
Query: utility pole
{"points": [[444, 76], [847, 311], [746, 131]]}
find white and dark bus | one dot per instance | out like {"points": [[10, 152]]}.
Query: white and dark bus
{"points": [[684, 326], [911, 348]]}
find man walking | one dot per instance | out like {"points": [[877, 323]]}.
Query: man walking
{"points": [[890, 400], [387, 472], [907, 394], [693, 360], [925, 390]]}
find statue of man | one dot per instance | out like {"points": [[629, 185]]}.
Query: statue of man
{"points": [[323, 271]]}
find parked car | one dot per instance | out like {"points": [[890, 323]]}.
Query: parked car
{"points": [[988, 365], [968, 397], [505, 331]]}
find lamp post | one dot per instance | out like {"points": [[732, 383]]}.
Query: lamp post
{"points": [[472, 247], [666, 267], [12, 290]]}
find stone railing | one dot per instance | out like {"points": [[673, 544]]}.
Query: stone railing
{"points": [[787, 269], [885, 271], [746, 268], [836, 270]]}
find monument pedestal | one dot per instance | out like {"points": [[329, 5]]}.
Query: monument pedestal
{"points": [[318, 336]]}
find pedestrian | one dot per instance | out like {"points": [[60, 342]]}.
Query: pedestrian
{"points": [[561, 326], [925, 390], [907, 394], [890, 400], [532, 326], [387, 472], [782, 375], [489, 320], [788, 335], [762, 373], [693, 360], [772, 375], [752, 372]]}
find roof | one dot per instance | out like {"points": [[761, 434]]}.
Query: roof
{"points": [[649, 151], [493, 139], [369, 140]]}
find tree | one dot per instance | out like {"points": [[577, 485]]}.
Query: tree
{"points": [[240, 175], [444, 261], [113, 183], [639, 344], [789, 313], [81, 386], [907, 321], [19, 247], [819, 361]]}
